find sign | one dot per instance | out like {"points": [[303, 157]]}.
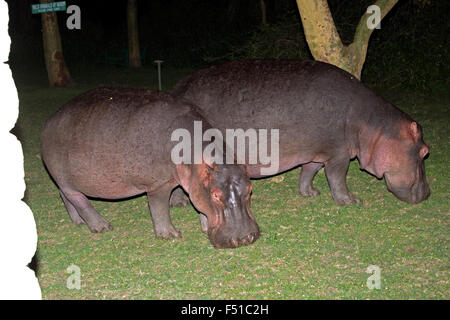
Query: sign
{"points": [[48, 7]]}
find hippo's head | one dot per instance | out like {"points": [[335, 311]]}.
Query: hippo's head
{"points": [[222, 193], [400, 159]]}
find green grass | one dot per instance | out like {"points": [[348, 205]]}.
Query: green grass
{"points": [[309, 248]]}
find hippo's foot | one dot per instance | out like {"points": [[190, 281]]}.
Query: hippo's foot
{"points": [[170, 233], [309, 192], [76, 219], [99, 225], [347, 199], [78, 222], [178, 198]]}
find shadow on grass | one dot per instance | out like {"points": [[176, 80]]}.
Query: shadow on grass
{"points": [[34, 264]]}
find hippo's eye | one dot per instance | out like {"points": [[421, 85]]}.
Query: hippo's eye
{"points": [[216, 195]]}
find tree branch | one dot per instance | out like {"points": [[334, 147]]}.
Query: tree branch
{"points": [[358, 48], [363, 33], [320, 31], [324, 41]]}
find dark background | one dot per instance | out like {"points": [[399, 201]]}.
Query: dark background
{"points": [[410, 50]]}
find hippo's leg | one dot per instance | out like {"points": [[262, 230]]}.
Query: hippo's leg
{"points": [[73, 213], [95, 222], [336, 171], [204, 222], [178, 198], [159, 209], [307, 174]]}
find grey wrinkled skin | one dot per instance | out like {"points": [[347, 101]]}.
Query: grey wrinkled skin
{"points": [[114, 143], [326, 117]]}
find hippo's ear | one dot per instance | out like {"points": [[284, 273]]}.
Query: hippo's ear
{"points": [[204, 172], [414, 131], [184, 174], [209, 162], [424, 151]]}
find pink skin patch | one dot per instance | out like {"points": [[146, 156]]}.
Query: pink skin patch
{"points": [[392, 156]]}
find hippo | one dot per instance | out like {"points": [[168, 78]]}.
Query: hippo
{"points": [[114, 143], [325, 117]]}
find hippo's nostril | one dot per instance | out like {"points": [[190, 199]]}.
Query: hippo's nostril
{"points": [[224, 238]]}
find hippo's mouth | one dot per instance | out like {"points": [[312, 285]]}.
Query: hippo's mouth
{"points": [[224, 233], [232, 242], [418, 192]]}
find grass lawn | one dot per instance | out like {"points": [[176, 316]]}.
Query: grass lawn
{"points": [[309, 248]]}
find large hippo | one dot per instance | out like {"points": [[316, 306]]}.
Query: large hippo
{"points": [[115, 143], [325, 117]]}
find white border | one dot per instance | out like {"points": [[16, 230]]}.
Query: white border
{"points": [[18, 237]]}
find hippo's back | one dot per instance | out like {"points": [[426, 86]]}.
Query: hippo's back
{"points": [[107, 141], [106, 118], [277, 93]]}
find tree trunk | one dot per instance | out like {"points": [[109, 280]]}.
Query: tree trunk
{"points": [[134, 53], [263, 12], [324, 40], [58, 74]]}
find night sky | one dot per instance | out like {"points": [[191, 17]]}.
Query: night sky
{"points": [[414, 38]]}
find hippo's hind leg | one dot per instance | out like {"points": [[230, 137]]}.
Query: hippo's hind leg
{"points": [[80, 208], [305, 187], [336, 171], [158, 202], [73, 213]]}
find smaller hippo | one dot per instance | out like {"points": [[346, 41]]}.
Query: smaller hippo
{"points": [[115, 143]]}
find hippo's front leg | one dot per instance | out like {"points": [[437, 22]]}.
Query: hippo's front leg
{"points": [[178, 198], [159, 209], [204, 222], [336, 171]]}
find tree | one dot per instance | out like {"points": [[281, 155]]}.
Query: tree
{"points": [[58, 74], [133, 35], [262, 4], [324, 41]]}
